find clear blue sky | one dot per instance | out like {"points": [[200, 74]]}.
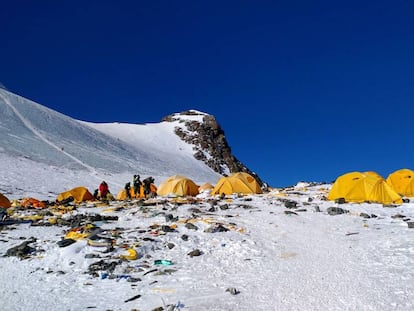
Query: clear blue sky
{"points": [[304, 90]]}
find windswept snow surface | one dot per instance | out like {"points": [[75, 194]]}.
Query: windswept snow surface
{"points": [[275, 261]]}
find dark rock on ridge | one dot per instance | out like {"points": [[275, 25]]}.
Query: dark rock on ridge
{"points": [[207, 137]]}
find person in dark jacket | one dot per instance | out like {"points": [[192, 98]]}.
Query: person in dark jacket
{"points": [[128, 190], [147, 185], [96, 194], [137, 185]]}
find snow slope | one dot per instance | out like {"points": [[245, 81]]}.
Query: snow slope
{"points": [[33, 135]]}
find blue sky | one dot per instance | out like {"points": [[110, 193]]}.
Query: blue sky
{"points": [[304, 90]]}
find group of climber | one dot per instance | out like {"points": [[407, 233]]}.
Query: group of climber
{"points": [[140, 188]]}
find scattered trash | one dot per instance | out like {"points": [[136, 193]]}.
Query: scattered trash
{"points": [[131, 254], [352, 233], [133, 298], [163, 262]]}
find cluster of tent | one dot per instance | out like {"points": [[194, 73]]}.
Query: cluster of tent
{"points": [[179, 185], [176, 185], [354, 187], [361, 187]]}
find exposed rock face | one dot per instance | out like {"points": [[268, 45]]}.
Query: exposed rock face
{"points": [[209, 142]]}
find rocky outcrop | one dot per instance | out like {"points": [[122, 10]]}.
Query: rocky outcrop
{"points": [[209, 142]]}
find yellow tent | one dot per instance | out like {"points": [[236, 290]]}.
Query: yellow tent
{"points": [[360, 187], [177, 185], [79, 194], [237, 183], [402, 181], [122, 194], [4, 201], [205, 187], [373, 174]]}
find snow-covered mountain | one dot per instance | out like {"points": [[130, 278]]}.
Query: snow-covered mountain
{"points": [[48, 152]]}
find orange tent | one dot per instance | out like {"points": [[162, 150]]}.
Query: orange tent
{"points": [[32, 202], [4, 201]]}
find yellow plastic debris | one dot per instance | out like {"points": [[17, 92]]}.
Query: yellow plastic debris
{"points": [[52, 220], [32, 217], [131, 254], [76, 235]]}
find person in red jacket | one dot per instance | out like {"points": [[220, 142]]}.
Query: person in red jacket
{"points": [[103, 190]]}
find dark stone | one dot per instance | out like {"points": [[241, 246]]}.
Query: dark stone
{"points": [[195, 253], [92, 256], [290, 213], [170, 217], [232, 291], [340, 201], [211, 209], [216, 228], [191, 226], [166, 229], [291, 204], [22, 250], [65, 242], [103, 266], [336, 211]]}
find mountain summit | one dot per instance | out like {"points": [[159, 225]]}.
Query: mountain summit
{"points": [[209, 142], [72, 152]]}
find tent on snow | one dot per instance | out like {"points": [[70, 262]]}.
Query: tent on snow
{"points": [[79, 194], [32, 202], [122, 193], [177, 185], [361, 187], [205, 187], [4, 201], [402, 181], [237, 183]]}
